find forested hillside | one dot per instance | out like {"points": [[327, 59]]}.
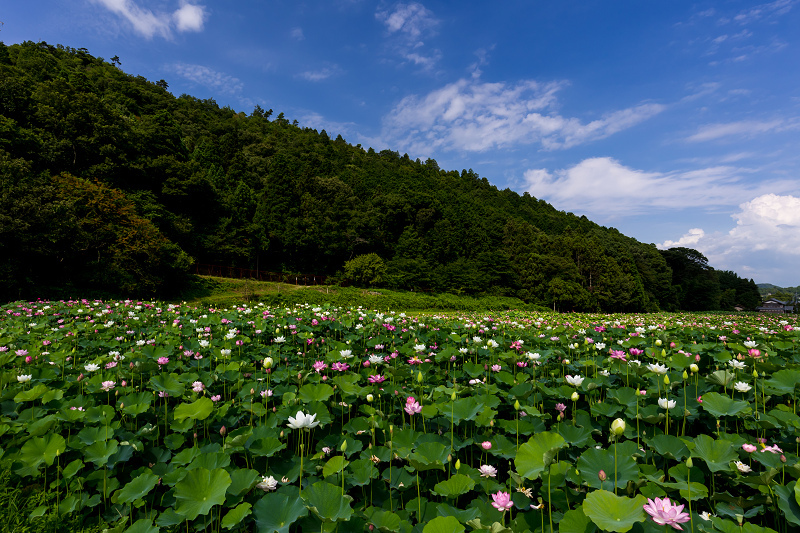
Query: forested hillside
{"points": [[113, 186]]}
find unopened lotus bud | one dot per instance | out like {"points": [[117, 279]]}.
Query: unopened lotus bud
{"points": [[491, 423], [458, 464], [689, 463], [566, 361], [281, 433], [453, 396], [783, 458], [122, 405], [658, 342], [80, 376], [685, 374], [268, 362], [663, 352], [369, 397], [666, 379], [343, 447], [694, 368], [740, 519], [131, 364], [618, 427], [252, 391], [299, 375], [602, 475], [222, 431], [755, 373], [419, 377], [575, 396], [516, 405]]}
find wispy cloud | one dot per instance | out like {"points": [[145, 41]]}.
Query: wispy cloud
{"points": [[470, 115], [187, 17], [766, 236], [297, 34], [321, 74], [201, 75], [742, 128], [603, 187], [408, 25], [763, 11]]}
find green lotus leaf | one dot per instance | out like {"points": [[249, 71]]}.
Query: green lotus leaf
{"points": [[383, 520], [456, 485], [143, 525], [210, 461], [716, 453], [31, 394], [168, 383], [137, 488], [669, 446], [614, 513], [319, 392], [592, 461], [197, 410], [200, 490], [236, 515], [326, 502], [242, 479], [334, 465], [721, 377], [783, 381], [276, 512], [429, 456], [720, 405], [266, 447], [40, 450], [99, 452], [462, 515], [537, 454], [136, 404], [576, 521], [624, 396], [444, 524], [575, 435], [789, 501], [606, 409], [362, 471]]}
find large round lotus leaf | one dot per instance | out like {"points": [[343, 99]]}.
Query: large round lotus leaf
{"points": [[197, 410], [592, 461], [200, 490], [311, 393], [455, 486], [719, 405], [266, 447], [789, 501], [536, 454], [716, 453], [428, 456], [669, 445], [99, 452], [444, 524], [167, 383], [614, 513], [276, 512], [242, 479], [143, 525], [326, 501], [383, 520], [40, 450], [137, 487], [334, 465], [236, 515], [361, 472], [783, 381], [576, 521], [463, 409]]}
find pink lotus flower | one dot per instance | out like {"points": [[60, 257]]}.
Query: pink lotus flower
{"points": [[486, 445], [376, 378], [108, 385], [502, 501], [163, 360], [619, 354], [560, 407], [664, 513], [319, 366], [488, 471], [749, 448], [412, 406], [774, 449]]}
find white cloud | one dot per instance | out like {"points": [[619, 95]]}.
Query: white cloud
{"points": [[742, 128], [319, 75], [474, 116], [603, 187], [297, 33], [217, 81], [773, 9], [409, 23], [188, 17], [409, 20], [764, 244]]}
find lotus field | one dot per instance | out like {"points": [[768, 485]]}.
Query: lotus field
{"points": [[143, 417]]}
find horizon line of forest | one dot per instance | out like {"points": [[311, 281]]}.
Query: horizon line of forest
{"points": [[112, 186]]}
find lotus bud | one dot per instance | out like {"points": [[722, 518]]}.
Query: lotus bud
{"points": [[755, 373], [491, 423], [663, 352], [122, 405], [458, 464], [453, 396], [516, 405], [252, 391], [694, 368], [740, 519], [666, 379], [419, 377], [268, 362], [281, 433], [689, 463], [575, 396], [566, 361], [370, 397], [222, 431], [602, 475], [658, 342], [685, 375], [343, 447], [618, 427]]}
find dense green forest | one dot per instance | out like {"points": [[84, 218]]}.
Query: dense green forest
{"points": [[113, 186]]}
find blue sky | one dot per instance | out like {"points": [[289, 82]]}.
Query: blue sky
{"points": [[677, 123]]}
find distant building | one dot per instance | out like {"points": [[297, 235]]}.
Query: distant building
{"points": [[773, 305]]}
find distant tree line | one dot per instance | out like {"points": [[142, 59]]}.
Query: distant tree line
{"points": [[113, 186]]}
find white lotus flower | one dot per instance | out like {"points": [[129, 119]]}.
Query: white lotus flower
{"points": [[280, 339], [419, 347], [346, 354], [657, 368], [575, 381], [302, 420], [24, 378], [750, 344], [738, 365], [665, 403], [743, 468], [741, 386], [91, 367], [268, 483]]}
